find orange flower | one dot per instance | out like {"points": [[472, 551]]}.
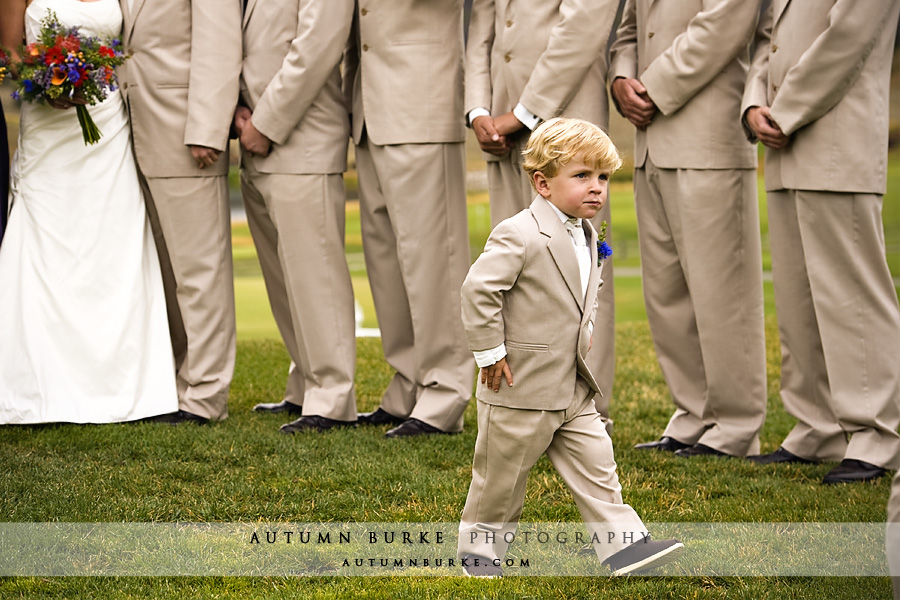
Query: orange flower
{"points": [[59, 76]]}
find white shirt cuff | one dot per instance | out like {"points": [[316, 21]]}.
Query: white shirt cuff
{"points": [[529, 119], [485, 358], [477, 112]]}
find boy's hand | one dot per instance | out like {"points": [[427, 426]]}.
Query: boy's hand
{"points": [[491, 375], [488, 137], [633, 101]]}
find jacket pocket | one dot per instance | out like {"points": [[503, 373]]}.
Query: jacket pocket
{"points": [[528, 347]]}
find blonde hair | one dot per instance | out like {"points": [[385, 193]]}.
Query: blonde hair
{"points": [[559, 141]]}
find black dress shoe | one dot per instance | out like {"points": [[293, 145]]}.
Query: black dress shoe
{"points": [[778, 457], [413, 427], [179, 416], [314, 423], [279, 407], [379, 417], [851, 471], [664, 443], [700, 450]]}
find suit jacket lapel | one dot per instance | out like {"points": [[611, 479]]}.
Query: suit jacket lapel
{"points": [[560, 247], [250, 5], [594, 280], [779, 7], [132, 14]]}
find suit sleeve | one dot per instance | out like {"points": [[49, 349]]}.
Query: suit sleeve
{"points": [[479, 89], [716, 35], [623, 52], [755, 92], [574, 45], [492, 274], [350, 66], [215, 71], [832, 64], [323, 27]]}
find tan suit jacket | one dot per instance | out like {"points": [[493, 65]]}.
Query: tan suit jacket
{"points": [[291, 81], [524, 291], [181, 82], [823, 67], [550, 55], [692, 56], [404, 72]]}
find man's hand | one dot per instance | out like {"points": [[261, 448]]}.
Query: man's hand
{"points": [[241, 116], [66, 103], [633, 101], [204, 156], [759, 119], [491, 375], [488, 137], [253, 141], [507, 123]]}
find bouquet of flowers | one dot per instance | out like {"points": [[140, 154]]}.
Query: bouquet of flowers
{"points": [[64, 65]]}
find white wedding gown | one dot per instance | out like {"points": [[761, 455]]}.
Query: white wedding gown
{"points": [[83, 330]]}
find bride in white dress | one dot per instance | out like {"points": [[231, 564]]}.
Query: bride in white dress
{"points": [[83, 330]]}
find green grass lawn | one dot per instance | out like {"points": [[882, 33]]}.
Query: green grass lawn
{"points": [[243, 470]]}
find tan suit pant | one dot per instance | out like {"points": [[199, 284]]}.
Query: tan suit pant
{"points": [[415, 237], [192, 226], [893, 535], [701, 264], [510, 441], [840, 326], [297, 223], [511, 192]]}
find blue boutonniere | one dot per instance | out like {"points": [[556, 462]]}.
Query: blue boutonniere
{"points": [[604, 250]]}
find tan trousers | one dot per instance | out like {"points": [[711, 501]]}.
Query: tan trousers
{"points": [[511, 192], [297, 223], [510, 441], [701, 264], [840, 326], [192, 227], [415, 238]]}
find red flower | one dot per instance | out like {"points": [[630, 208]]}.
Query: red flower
{"points": [[107, 52], [69, 43], [53, 56]]}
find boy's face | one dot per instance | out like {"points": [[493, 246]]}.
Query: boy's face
{"points": [[578, 190]]}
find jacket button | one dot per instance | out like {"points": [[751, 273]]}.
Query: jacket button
{"points": [[364, 11], [509, 23], [365, 47], [507, 57], [650, 35]]}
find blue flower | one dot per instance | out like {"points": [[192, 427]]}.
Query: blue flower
{"points": [[28, 85], [603, 251]]}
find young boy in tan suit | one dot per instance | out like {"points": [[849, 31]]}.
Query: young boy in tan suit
{"points": [[528, 305]]}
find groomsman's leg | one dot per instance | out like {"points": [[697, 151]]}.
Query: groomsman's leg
{"points": [[265, 239], [305, 215], [669, 309], [415, 234], [192, 215], [702, 275], [717, 236], [805, 391], [855, 303]]}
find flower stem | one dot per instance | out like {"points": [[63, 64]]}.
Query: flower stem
{"points": [[88, 128]]}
